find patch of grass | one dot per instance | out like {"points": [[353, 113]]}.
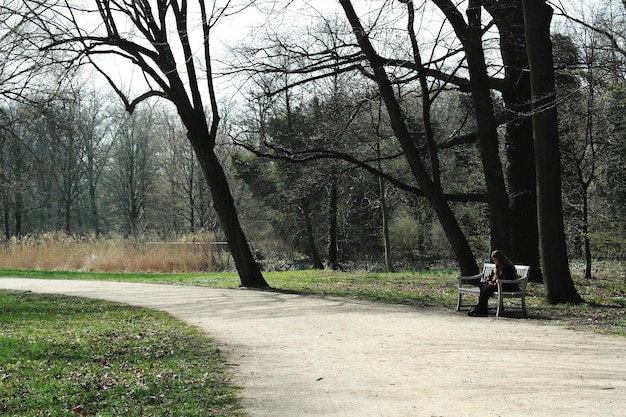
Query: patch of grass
{"points": [[605, 294], [603, 312], [418, 288], [59, 354]]}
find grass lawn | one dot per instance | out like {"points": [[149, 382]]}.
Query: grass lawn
{"points": [[63, 356]]}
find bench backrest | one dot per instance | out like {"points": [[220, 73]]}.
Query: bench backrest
{"points": [[488, 269], [522, 272]]}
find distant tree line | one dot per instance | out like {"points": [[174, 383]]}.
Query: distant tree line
{"points": [[80, 165]]}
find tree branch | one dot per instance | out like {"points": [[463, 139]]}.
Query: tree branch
{"points": [[315, 155]]}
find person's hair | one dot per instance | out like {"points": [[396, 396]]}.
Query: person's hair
{"points": [[498, 254]]}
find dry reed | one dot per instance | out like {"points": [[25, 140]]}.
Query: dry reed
{"points": [[57, 252]]}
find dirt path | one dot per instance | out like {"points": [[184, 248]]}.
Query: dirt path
{"points": [[309, 356]]}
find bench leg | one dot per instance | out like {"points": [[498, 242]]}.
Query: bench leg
{"points": [[500, 309], [458, 302]]}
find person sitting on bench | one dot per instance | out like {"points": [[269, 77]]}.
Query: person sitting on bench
{"points": [[505, 269]]}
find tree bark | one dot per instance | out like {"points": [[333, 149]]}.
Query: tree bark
{"points": [[509, 18], [249, 272], [554, 262], [462, 250], [470, 35], [315, 255], [188, 100], [487, 132]]}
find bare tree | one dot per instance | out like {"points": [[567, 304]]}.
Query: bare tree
{"points": [[169, 43], [17, 167], [132, 168], [60, 151], [431, 191], [189, 194], [455, 58], [96, 138], [26, 85]]}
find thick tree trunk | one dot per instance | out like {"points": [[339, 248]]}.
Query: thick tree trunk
{"points": [[175, 76], [509, 18], [487, 132], [557, 278], [454, 234], [315, 255], [249, 272], [203, 142]]}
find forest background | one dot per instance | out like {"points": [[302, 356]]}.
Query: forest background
{"points": [[314, 167]]}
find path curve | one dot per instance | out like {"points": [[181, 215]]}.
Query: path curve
{"points": [[300, 356]]}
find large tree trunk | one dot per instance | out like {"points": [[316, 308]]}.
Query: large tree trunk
{"points": [[470, 34], [315, 255], [487, 132], [557, 278], [509, 19], [181, 77], [454, 234], [249, 272]]}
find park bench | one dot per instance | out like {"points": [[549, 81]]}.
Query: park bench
{"points": [[469, 285]]}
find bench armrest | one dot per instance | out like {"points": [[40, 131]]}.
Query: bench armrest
{"points": [[512, 281], [466, 279], [521, 282]]}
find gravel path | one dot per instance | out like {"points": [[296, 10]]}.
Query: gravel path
{"points": [[309, 356]]}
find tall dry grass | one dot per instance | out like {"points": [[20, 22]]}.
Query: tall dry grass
{"points": [[58, 252]]}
